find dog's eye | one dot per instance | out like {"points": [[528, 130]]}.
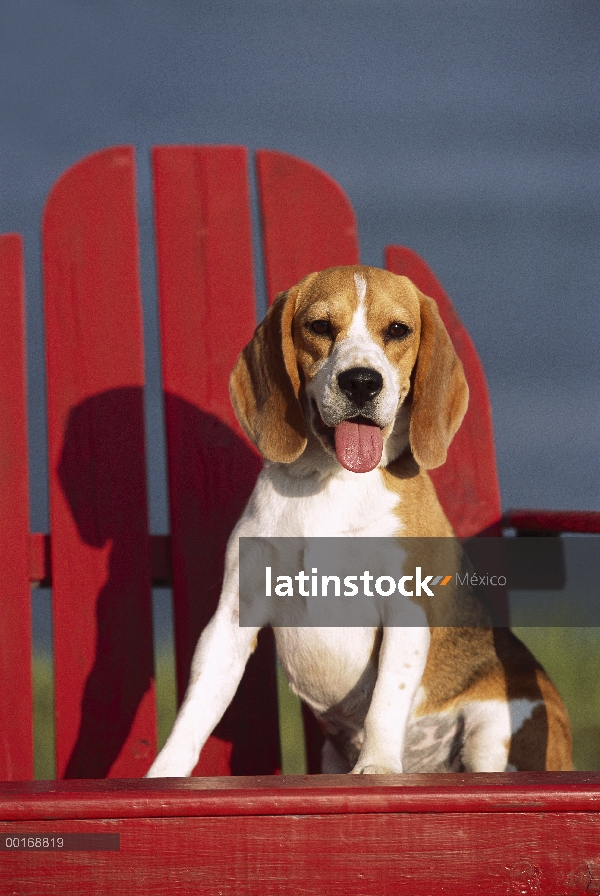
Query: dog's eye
{"points": [[320, 327], [398, 331]]}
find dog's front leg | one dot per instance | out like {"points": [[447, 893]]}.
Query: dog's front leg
{"points": [[402, 659], [217, 668]]}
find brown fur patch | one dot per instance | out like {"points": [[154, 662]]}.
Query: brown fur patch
{"points": [[440, 393], [265, 384]]}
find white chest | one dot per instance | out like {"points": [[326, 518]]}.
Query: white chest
{"points": [[324, 665], [344, 504]]}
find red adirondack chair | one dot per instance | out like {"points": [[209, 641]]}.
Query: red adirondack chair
{"points": [[253, 833]]}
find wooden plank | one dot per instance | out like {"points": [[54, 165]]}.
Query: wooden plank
{"points": [[104, 689], [524, 792], [496, 837], [16, 704], [308, 222], [415, 855], [40, 560], [467, 484], [585, 522], [207, 315]]}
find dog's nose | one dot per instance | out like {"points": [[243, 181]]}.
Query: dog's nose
{"points": [[360, 384]]}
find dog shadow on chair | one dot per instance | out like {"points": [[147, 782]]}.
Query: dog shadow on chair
{"points": [[102, 473]]}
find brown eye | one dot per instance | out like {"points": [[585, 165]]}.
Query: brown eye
{"points": [[398, 331], [320, 327]]}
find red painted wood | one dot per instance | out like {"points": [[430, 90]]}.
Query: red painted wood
{"points": [[527, 792], [467, 484], [40, 564], [298, 836], [16, 703], [207, 314], [584, 522], [104, 690], [160, 560], [308, 222], [414, 855]]}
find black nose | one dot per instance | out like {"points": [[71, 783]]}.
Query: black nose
{"points": [[360, 384]]}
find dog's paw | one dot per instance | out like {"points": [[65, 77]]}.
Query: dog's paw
{"points": [[372, 769], [169, 764]]}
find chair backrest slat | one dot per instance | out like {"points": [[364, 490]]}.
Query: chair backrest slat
{"points": [[307, 221], [207, 314], [467, 483], [16, 703], [104, 688]]}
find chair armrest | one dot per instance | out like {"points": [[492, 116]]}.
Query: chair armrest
{"points": [[552, 521]]}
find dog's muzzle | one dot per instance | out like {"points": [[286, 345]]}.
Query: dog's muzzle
{"points": [[358, 440]]}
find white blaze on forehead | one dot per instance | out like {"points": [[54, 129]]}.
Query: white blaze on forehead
{"points": [[361, 288], [358, 330]]}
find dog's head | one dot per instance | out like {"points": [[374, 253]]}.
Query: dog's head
{"points": [[354, 360]]}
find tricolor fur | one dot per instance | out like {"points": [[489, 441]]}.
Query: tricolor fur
{"points": [[351, 390]]}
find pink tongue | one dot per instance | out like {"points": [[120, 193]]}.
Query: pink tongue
{"points": [[358, 446]]}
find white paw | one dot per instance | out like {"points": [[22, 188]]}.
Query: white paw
{"points": [[162, 770], [169, 766], [372, 769]]}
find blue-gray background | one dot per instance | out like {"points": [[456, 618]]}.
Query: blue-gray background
{"points": [[465, 130]]}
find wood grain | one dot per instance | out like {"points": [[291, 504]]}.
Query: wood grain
{"points": [[16, 702], [207, 315], [408, 835], [104, 687]]}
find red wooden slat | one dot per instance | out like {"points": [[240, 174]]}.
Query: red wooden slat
{"points": [[40, 564], [308, 225], [345, 855], [308, 222], [497, 792], [580, 521], [409, 838], [467, 484], [207, 312], [104, 692], [16, 701]]}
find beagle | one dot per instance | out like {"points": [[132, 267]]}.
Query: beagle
{"points": [[351, 390]]}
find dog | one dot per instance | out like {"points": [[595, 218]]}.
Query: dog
{"points": [[351, 390]]}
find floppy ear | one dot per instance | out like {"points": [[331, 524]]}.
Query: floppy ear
{"points": [[440, 391], [265, 383]]}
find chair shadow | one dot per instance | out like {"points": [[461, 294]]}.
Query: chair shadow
{"points": [[212, 471], [103, 477]]}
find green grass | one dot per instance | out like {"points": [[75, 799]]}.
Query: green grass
{"points": [[291, 730], [43, 718], [570, 656], [43, 709], [166, 693]]}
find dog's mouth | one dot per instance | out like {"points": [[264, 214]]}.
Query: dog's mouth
{"points": [[357, 442]]}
